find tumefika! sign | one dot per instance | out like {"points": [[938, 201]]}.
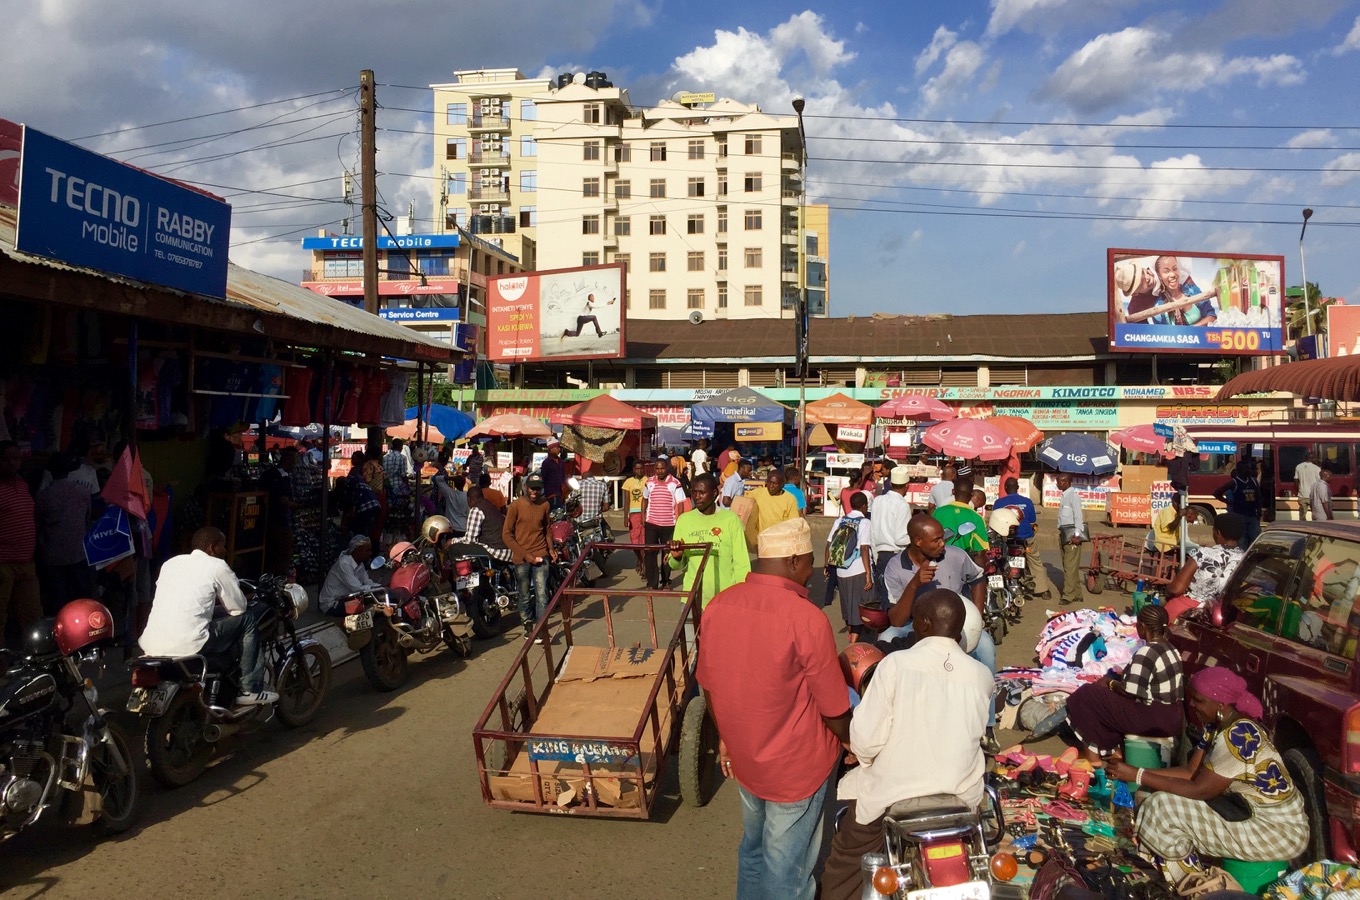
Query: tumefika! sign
{"points": [[88, 210]]}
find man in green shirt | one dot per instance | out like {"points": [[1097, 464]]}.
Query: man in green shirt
{"points": [[729, 562], [959, 518]]}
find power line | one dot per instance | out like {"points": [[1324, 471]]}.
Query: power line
{"points": [[220, 112]]}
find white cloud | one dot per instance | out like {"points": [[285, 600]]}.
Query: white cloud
{"points": [[1334, 174], [960, 64], [1352, 41], [1018, 251], [942, 41], [1317, 137], [1010, 14], [1139, 62]]}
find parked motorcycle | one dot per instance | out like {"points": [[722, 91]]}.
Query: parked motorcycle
{"points": [[485, 586], [56, 744], [188, 702], [1006, 588], [567, 539], [936, 842], [410, 615]]}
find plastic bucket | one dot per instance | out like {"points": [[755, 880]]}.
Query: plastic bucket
{"points": [[1255, 875], [1142, 754]]}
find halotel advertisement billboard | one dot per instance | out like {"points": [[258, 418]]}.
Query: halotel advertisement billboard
{"points": [[558, 314], [1195, 302]]}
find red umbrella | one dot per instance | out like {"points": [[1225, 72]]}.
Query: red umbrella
{"points": [[968, 439], [510, 425], [916, 406], [1024, 433], [1139, 438]]}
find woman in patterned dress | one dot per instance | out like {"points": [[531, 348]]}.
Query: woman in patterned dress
{"points": [[1234, 800]]}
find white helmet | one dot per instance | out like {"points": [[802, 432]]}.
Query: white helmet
{"points": [[972, 626]]}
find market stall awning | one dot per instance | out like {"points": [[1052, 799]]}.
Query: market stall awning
{"points": [[1329, 379], [255, 304], [604, 412], [839, 409], [745, 405]]}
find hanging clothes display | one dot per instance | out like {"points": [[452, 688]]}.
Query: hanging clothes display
{"points": [[349, 408], [394, 401], [271, 385], [297, 409], [371, 399]]}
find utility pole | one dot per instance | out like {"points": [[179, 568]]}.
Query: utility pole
{"points": [[368, 185]]}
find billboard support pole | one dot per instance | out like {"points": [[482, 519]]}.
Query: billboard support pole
{"points": [[800, 328]]}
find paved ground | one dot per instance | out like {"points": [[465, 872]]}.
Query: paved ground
{"points": [[378, 798]]}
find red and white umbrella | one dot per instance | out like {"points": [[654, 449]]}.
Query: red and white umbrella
{"points": [[916, 406], [1139, 438], [510, 425], [968, 439], [1024, 433]]}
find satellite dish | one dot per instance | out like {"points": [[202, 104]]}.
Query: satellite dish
{"points": [[696, 317], [578, 78], [675, 97]]}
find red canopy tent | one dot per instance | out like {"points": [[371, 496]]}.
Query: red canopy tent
{"points": [[627, 431], [1331, 379], [604, 412]]}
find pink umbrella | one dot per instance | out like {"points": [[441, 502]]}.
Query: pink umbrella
{"points": [[1139, 438], [510, 425], [968, 439], [915, 406]]}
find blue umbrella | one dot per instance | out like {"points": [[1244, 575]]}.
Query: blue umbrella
{"points": [[1079, 454], [453, 423]]}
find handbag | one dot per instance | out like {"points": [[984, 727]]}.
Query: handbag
{"points": [[1055, 874], [1067, 531], [1210, 881]]}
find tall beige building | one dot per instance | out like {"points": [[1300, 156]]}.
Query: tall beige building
{"points": [[698, 196]]}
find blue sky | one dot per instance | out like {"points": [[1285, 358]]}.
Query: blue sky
{"points": [[978, 156]]}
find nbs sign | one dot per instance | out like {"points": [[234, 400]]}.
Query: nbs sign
{"points": [[89, 210]]}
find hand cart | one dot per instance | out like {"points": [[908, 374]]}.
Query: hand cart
{"points": [[596, 701], [1116, 563]]}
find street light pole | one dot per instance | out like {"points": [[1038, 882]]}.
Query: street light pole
{"points": [[1303, 268], [800, 328]]}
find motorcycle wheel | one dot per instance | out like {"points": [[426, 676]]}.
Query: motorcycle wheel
{"points": [[998, 628], [117, 784], [460, 644], [302, 686], [486, 617], [176, 750], [697, 760], [384, 659]]}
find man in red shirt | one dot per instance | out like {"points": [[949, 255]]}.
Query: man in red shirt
{"points": [[18, 538], [767, 659]]}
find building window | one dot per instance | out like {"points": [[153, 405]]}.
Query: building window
{"points": [[752, 145], [755, 295], [590, 259], [590, 150], [722, 221], [528, 146], [755, 257], [696, 149], [695, 298], [722, 297], [623, 153], [722, 260], [590, 187], [722, 149], [433, 262], [658, 151], [810, 244], [528, 216], [753, 182], [591, 114], [695, 224], [626, 259], [656, 262], [656, 188], [455, 114], [696, 187], [590, 225], [458, 183], [528, 180], [695, 261], [722, 185], [623, 226], [623, 190], [455, 148], [528, 111], [343, 265], [752, 218], [656, 299], [656, 225]]}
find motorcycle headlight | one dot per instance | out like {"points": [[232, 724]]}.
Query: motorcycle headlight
{"points": [[298, 594], [429, 557]]}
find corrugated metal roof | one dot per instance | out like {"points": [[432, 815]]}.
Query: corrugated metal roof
{"points": [[251, 290]]}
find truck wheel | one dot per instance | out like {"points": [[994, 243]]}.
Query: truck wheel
{"points": [[1304, 768], [697, 760]]}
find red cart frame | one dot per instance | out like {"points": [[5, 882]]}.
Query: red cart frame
{"points": [[521, 767], [1116, 561]]}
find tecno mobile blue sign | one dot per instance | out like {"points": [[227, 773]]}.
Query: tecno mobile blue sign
{"points": [[89, 210]]}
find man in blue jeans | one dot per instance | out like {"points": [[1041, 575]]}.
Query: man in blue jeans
{"points": [[526, 533]]}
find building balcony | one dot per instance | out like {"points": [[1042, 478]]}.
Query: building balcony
{"points": [[610, 239], [489, 123], [484, 158], [789, 276], [789, 237], [488, 194], [788, 197], [790, 162]]}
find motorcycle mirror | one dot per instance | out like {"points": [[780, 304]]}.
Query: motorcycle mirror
{"points": [[377, 563]]}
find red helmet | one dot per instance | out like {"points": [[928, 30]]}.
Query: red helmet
{"points": [[874, 616], [857, 660], [81, 623]]}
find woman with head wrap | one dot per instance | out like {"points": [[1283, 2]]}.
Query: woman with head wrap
{"points": [[1147, 699], [1234, 800]]}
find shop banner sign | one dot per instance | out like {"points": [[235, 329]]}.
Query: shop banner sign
{"points": [[414, 314], [1091, 488], [852, 434], [760, 431], [844, 460], [1216, 447], [110, 539], [1161, 429], [89, 210]]}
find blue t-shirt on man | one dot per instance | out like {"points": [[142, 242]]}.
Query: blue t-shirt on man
{"points": [[1028, 518]]}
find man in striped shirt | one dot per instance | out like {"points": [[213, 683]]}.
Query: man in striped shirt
{"points": [[661, 500]]}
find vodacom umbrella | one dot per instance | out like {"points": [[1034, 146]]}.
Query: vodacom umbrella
{"points": [[1139, 438], [915, 406], [968, 439], [510, 425], [1024, 433]]}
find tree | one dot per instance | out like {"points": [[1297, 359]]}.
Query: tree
{"points": [[1294, 314]]}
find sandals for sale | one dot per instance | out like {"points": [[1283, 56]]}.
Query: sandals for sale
{"points": [[1061, 809]]}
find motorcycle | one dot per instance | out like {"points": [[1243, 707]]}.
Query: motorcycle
{"points": [[187, 702], [57, 745], [935, 843], [566, 538], [386, 625], [1006, 587], [485, 586]]}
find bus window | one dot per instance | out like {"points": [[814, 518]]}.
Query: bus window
{"points": [[1212, 464], [1336, 457], [1289, 457]]}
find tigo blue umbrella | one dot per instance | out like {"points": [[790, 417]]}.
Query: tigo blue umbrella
{"points": [[1079, 454]]}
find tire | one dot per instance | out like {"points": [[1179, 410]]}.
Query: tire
{"points": [[1094, 583], [998, 628], [1305, 769], [119, 787], [460, 644], [697, 760], [384, 659], [176, 750], [486, 618], [302, 686]]}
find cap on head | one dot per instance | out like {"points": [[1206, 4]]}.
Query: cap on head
{"points": [[534, 483], [358, 541], [899, 475], [1126, 276], [792, 537]]}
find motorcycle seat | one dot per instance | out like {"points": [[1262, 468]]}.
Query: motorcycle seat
{"points": [[931, 805], [464, 550], [192, 666]]}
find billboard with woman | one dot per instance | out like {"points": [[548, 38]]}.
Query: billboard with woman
{"points": [[1195, 302]]}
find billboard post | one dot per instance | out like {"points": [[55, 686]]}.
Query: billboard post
{"points": [[561, 314], [1192, 302]]}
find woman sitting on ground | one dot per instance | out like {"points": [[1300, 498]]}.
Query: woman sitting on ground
{"points": [[1200, 582], [1234, 800], [1148, 699]]}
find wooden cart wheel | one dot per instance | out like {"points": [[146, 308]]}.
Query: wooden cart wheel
{"points": [[1095, 583], [697, 760]]}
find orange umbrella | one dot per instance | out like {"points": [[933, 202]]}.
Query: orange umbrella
{"points": [[1023, 433], [407, 432], [510, 425]]}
